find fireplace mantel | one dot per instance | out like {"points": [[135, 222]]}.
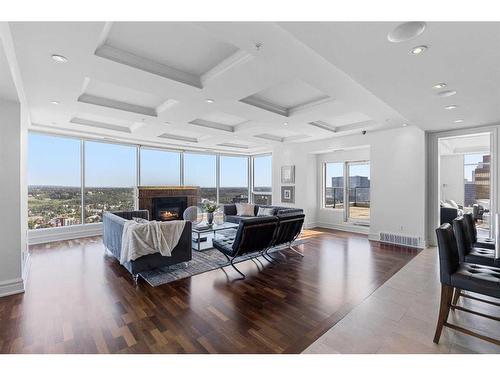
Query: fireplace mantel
{"points": [[146, 194]]}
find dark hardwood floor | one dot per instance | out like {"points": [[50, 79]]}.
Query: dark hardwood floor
{"points": [[79, 300]]}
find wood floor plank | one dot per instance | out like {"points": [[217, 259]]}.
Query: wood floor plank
{"points": [[79, 300]]}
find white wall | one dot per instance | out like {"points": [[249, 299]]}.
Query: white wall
{"points": [[305, 179], [12, 218], [451, 178], [398, 178]]}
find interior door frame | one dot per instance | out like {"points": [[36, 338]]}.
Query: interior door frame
{"points": [[433, 183]]}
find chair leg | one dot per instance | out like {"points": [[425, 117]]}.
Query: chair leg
{"points": [[135, 279], [456, 296], [295, 250], [444, 310], [237, 270]]}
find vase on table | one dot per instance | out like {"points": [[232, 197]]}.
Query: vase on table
{"points": [[210, 218]]}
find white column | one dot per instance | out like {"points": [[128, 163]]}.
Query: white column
{"points": [[13, 196]]}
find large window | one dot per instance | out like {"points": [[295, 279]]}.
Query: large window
{"points": [[54, 189], [348, 182], [233, 179], [160, 168], [201, 170], [334, 185], [262, 179], [110, 178]]}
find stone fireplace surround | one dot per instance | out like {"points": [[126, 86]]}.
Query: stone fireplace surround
{"points": [[149, 195]]}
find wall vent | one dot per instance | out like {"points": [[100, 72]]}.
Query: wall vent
{"points": [[398, 239]]}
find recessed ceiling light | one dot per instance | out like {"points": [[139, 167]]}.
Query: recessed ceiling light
{"points": [[406, 31], [418, 50], [458, 121], [405, 124], [285, 123], [210, 100], [55, 102], [59, 58], [439, 85], [446, 93], [453, 106]]}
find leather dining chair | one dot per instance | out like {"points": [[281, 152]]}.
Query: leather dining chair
{"points": [[474, 278]]}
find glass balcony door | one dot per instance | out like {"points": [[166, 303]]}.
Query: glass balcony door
{"points": [[357, 193]]}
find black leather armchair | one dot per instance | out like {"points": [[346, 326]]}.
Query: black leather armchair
{"points": [[253, 235], [456, 276]]}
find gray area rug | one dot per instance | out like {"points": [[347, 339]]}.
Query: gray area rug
{"points": [[203, 261]]}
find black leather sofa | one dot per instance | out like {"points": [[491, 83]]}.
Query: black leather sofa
{"points": [[230, 212], [259, 234]]}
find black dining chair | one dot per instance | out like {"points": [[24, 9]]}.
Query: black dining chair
{"points": [[462, 276], [471, 230], [467, 251]]}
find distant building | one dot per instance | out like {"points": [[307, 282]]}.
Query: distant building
{"points": [[359, 189]]}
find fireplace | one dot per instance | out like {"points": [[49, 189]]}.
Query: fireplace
{"points": [[168, 208]]}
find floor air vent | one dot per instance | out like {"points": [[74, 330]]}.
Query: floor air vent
{"points": [[399, 239]]}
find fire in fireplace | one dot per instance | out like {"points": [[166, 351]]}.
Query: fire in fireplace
{"points": [[169, 208]]}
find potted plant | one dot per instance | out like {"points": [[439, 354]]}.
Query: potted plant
{"points": [[209, 207]]}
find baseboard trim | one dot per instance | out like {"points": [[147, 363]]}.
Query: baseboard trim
{"points": [[345, 227], [10, 287], [40, 236], [310, 225]]}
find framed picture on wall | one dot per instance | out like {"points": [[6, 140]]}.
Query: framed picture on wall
{"points": [[288, 174], [288, 194]]}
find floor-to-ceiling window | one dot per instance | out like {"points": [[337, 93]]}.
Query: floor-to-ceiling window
{"points": [[110, 178], [201, 170], [61, 168], [160, 168], [233, 186], [54, 189], [262, 179], [346, 187]]}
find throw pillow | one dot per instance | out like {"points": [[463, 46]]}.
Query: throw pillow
{"points": [[140, 220], [265, 211], [245, 209]]}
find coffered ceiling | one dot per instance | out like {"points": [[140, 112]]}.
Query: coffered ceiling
{"points": [[244, 87]]}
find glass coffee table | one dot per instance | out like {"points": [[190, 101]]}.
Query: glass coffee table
{"points": [[203, 236]]}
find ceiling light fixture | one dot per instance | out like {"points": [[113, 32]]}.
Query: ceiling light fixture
{"points": [[210, 100], [418, 50], [55, 102], [441, 85], [453, 106], [458, 121], [285, 123], [59, 58], [406, 31], [405, 124], [446, 93]]}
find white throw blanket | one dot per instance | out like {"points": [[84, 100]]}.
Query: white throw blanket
{"points": [[140, 239]]}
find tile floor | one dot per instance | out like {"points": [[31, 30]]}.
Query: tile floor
{"points": [[400, 317]]}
